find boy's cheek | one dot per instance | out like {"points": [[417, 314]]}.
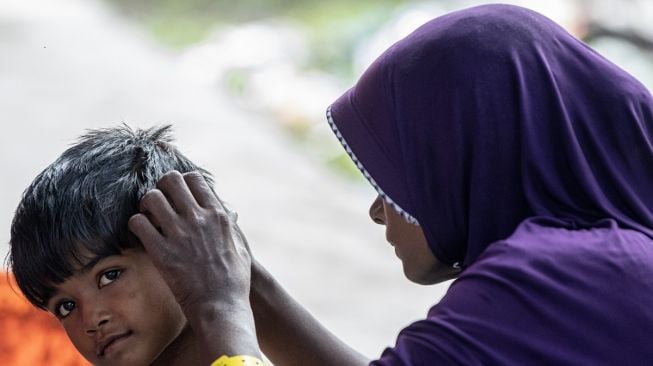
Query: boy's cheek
{"points": [[82, 342]]}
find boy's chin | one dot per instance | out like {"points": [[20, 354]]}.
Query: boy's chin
{"points": [[123, 351]]}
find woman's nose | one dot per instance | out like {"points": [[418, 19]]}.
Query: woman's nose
{"points": [[377, 213]]}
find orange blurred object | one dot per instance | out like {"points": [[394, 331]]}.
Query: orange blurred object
{"points": [[29, 336]]}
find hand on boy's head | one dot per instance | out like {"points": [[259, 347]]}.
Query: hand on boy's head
{"points": [[199, 250]]}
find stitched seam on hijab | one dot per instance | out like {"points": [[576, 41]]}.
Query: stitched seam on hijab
{"points": [[408, 217]]}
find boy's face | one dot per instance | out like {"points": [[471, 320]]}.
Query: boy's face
{"points": [[119, 311]]}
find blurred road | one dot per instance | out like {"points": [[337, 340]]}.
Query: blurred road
{"points": [[69, 65]]}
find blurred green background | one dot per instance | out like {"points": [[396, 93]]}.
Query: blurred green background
{"points": [[289, 59], [332, 31], [333, 26]]}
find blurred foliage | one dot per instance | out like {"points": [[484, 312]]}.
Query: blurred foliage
{"points": [[343, 164], [236, 82], [244, 10], [333, 26], [334, 29]]}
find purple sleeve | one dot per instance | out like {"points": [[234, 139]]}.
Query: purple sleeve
{"points": [[492, 313], [544, 302], [457, 331], [426, 343]]}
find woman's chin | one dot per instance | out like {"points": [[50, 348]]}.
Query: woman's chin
{"points": [[430, 277]]}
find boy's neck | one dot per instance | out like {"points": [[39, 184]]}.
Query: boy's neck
{"points": [[182, 351]]}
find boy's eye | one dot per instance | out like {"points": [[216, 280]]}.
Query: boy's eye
{"points": [[64, 308], [108, 277]]}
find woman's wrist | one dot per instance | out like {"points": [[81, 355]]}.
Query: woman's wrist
{"points": [[220, 312], [224, 327], [261, 281]]}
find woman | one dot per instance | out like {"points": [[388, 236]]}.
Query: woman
{"points": [[505, 152]]}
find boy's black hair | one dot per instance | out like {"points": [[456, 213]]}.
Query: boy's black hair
{"points": [[77, 208]]}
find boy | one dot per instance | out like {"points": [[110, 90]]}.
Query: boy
{"points": [[72, 253]]}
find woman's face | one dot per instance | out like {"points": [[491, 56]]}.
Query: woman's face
{"points": [[419, 263]]}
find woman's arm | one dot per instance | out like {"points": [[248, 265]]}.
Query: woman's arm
{"points": [[193, 242], [288, 334], [228, 300]]}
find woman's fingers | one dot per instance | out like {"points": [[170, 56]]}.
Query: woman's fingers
{"points": [[201, 191], [197, 244], [156, 205], [145, 231], [174, 187]]}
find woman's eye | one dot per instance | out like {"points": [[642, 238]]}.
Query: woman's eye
{"points": [[64, 308], [108, 277]]}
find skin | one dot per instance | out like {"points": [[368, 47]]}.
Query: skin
{"points": [[179, 226], [411, 247], [124, 294], [232, 303]]}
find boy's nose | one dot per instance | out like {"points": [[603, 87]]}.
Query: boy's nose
{"points": [[95, 318], [91, 329]]}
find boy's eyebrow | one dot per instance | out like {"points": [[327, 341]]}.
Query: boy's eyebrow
{"points": [[89, 266], [84, 269]]}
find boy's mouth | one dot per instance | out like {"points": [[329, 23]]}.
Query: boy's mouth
{"points": [[102, 346]]}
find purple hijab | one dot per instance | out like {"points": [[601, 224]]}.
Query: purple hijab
{"points": [[487, 116], [527, 158]]}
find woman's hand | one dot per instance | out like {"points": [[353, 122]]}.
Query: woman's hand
{"points": [[195, 244], [196, 248], [201, 253]]}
